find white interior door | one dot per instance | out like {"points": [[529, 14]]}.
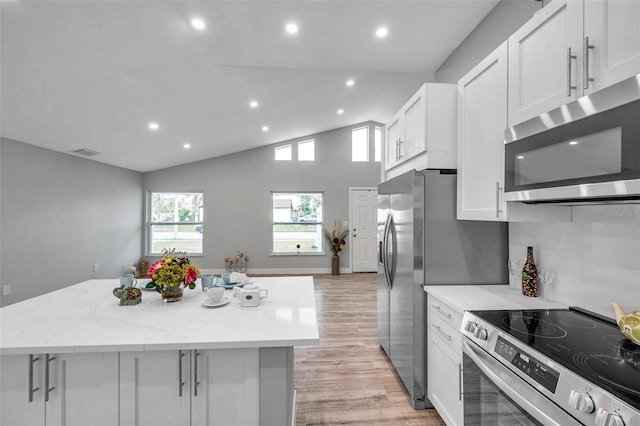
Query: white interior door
{"points": [[363, 231]]}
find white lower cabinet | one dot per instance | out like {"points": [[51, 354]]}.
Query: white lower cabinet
{"points": [[59, 389], [444, 361], [203, 387]]}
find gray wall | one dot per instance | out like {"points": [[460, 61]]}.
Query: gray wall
{"points": [[61, 215], [237, 190], [495, 28]]}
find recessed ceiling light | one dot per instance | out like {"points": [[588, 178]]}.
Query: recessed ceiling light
{"points": [[573, 143], [186, 146], [520, 157], [340, 111], [292, 28], [350, 82], [382, 32], [154, 126], [265, 128], [198, 24], [253, 104]]}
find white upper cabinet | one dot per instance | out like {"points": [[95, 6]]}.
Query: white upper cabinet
{"points": [[544, 63], [482, 119], [569, 49], [612, 30], [423, 133]]}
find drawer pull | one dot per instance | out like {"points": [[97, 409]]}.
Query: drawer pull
{"points": [[439, 330], [439, 309]]}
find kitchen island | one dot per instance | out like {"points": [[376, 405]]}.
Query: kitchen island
{"points": [[154, 363]]}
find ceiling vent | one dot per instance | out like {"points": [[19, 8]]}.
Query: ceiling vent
{"points": [[85, 152]]}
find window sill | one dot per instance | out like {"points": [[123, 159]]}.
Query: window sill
{"points": [[296, 254]]}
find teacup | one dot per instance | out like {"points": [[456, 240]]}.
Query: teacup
{"points": [[127, 280], [215, 294], [226, 277]]}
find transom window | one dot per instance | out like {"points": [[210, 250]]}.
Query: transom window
{"points": [[306, 150], [175, 221], [282, 153], [297, 222]]}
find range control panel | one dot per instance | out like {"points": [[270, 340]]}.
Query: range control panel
{"points": [[542, 374]]}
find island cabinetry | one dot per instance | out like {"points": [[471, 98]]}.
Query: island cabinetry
{"points": [[422, 134], [444, 361], [190, 387], [59, 389], [569, 49]]}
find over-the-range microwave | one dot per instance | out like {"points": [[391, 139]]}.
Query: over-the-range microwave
{"points": [[585, 151]]}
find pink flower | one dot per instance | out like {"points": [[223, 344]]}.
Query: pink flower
{"points": [[157, 265], [190, 276]]}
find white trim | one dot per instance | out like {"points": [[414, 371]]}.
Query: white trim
{"points": [[280, 271]]}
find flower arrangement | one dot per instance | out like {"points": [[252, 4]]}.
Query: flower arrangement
{"points": [[336, 239], [172, 271], [239, 264]]}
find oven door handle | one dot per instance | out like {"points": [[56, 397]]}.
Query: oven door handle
{"points": [[534, 403]]}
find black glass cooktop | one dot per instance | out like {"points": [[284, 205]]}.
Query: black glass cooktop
{"points": [[588, 345]]}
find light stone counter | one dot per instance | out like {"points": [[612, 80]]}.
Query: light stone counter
{"points": [[487, 297], [86, 317]]}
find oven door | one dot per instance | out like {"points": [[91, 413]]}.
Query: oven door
{"points": [[496, 396]]}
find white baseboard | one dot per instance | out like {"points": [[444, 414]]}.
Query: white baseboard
{"points": [[281, 271]]}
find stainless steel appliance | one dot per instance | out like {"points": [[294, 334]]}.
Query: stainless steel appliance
{"points": [[420, 242], [548, 367], [585, 151]]}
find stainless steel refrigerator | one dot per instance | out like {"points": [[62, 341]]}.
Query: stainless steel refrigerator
{"points": [[420, 243]]}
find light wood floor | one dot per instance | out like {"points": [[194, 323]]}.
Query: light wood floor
{"points": [[347, 379]]}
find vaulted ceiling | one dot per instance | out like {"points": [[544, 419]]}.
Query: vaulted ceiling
{"points": [[94, 74]]}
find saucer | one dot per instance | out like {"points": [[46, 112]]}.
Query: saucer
{"points": [[209, 304], [232, 285]]}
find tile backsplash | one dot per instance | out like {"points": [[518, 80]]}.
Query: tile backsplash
{"points": [[590, 262]]}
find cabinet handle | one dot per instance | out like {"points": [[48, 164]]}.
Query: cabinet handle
{"points": [[570, 87], [397, 149], [459, 382], [439, 309], [47, 389], [31, 388], [400, 149], [195, 373], [439, 330], [180, 382], [498, 209], [585, 67]]}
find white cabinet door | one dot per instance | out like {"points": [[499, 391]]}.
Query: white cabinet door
{"points": [[17, 408], [415, 125], [445, 377], [84, 390], [545, 62], [394, 133], [155, 388], [228, 387], [612, 29], [444, 358], [482, 120]]}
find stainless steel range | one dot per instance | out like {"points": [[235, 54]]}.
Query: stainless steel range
{"points": [[548, 367]]}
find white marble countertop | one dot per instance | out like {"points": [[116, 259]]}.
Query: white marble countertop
{"points": [[485, 297], [86, 317]]}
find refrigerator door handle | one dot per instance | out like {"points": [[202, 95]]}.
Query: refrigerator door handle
{"points": [[393, 251], [385, 251]]}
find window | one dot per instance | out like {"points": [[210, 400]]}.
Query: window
{"points": [[297, 222], [306, 150], [377, 139], [282, 153], [360, 144], [175, 221]]}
